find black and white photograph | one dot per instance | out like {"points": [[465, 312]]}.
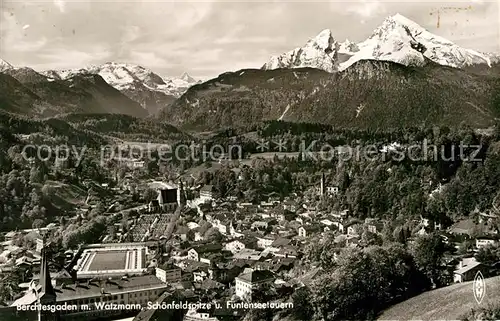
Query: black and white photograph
{"points": [[249, 160]]}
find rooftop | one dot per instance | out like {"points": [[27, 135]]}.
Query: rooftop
{"points": [[257, 276], [280, 241], [207, 188], [205, 248], [467, 265], [94, 289]]}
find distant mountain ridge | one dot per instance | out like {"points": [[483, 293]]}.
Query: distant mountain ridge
{"points": [[151, 91], [27, 92], [402, 75], [398, 39], [138, 83]]}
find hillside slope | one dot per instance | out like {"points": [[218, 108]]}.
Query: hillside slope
{"points": [[243, 97], [369, 94], [376, 94], [24, 91], [448, 303], [125, 127], [49, 131], [16, 98]]}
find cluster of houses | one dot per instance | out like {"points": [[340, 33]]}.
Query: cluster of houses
{"points": [[258, 244], [271, 235], [14, 255]]}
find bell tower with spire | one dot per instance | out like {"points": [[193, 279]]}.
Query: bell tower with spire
{"points": [[46, 294], [181, 198]]}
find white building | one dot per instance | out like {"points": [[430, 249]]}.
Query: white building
{"points": [[194, 315], [235, 246], [207, 193], [168, 275], [484, 241], [265, 241], [246, 283], [466, 270]]}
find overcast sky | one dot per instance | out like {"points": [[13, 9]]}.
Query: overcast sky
{"points": [[206, 38]]}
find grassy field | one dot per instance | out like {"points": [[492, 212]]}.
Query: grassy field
{"points": [[66, 196], [449, 303]]}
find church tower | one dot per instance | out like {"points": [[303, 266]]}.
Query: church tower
{"points": [[322, 185], [181, 198], [46, 294]]}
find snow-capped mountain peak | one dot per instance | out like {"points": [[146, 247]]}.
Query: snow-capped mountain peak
{"points": [[125, 76], [4, 65], [402, 40], [397, 39], [187, 78], [323, 40], [137, 82], [399, 18], [318, 52], [348, 47]]}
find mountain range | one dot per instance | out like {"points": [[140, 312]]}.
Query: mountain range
{"points": [[136, 82], [139, 84], [397, 39], [401, 75], [25, 91]]}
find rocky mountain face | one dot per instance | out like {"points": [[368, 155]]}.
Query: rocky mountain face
{"points": [[322, 52], [136, 82], [397, 39]]}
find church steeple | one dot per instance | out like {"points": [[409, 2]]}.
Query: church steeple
{"points": [[46, 295], [47, 292], [322, 185], [181, 197]]}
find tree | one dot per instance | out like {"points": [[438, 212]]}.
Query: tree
{"points": [[368, 238], [38, 223], [150, 194], [47, 190], [401, 234], [302, 306], [35, 175], [212, 235], [465, 247], [489, 254], [322, 251], [429, 251], [364, 282]]}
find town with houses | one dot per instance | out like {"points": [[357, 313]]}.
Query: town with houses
{"points": [[297, 178], [205, 249]]}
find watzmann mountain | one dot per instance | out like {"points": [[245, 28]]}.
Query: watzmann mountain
{"points": [[402, 75], [397, 39]]}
